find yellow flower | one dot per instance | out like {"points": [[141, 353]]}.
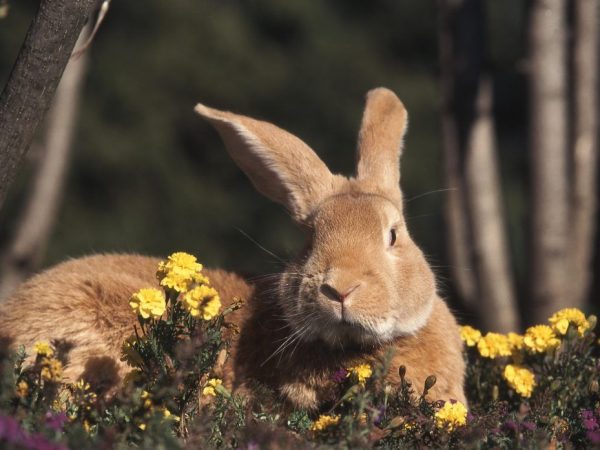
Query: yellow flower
{"points": [[180, 271], [451, 415], [202, 301], [470, 335], [22, 389], [82, 386], [362, 371], [168, 414], [210, 388], [515, 341], [324, 421], [540, 338], [147, 400], [43, 348], [129, 354], [520, 379], [52, 370], [148, 302], [493, 345], [560, 321]]}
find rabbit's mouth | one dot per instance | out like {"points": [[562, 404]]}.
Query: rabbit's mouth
{"points": [[347, 331], [343, 327]]}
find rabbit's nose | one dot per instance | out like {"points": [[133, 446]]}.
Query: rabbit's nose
{"points": [[334, 294]]}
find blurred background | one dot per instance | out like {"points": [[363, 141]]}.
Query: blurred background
{"points": [[146, 175]]}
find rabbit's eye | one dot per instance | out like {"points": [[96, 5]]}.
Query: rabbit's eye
{"points": [[392, 237]]}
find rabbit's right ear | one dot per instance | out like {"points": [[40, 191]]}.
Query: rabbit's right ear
{"points": [[380, 142], [280, 166]]}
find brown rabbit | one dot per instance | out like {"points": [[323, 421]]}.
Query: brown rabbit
{"points": [[360, 288]]}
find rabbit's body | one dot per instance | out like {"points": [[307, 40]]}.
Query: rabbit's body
{"points": [[304, 372], [86, 302], [360, 287]]}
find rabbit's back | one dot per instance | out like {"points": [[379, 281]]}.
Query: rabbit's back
{"points": [[85, 303]]}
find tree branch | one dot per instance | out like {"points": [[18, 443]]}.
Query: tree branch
{"points": [[34, 78], [25, 252]]}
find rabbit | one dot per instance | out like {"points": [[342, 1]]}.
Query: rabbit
{"points": [[360, 287]]}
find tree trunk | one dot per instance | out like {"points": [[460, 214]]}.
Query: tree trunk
{"points": [[455, 211], [474, 210], [584, 149], [33, 228], [496, 289], [548, 148], [34, 78], [458, 233]]}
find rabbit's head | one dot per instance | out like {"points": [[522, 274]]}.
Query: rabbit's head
{"points": [[361, 279]]}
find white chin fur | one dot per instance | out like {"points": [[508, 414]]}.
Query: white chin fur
{"points": [[392, 328], [381, 331]]}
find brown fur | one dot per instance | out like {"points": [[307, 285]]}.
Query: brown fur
{"points": [[297, 328]]}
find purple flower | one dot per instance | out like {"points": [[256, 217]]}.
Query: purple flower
{"points": [[528, 426], [380, 415], [340, 375], [593, 436], [39, 442], [511, 425], [12, 433], [586, 414], [56, 421], [10, 430], [590, 423]]}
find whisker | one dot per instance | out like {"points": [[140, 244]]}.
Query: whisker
{"points": [[429, 193], [260, 246]]}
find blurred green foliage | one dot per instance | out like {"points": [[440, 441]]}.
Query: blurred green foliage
{"points": [[148, 176]]}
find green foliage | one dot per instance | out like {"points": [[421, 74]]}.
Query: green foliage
{"points": [[175, 400]]}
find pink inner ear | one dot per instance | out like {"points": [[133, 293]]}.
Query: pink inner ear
{"points": [[280, 166]]}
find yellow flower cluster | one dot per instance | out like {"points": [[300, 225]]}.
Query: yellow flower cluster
{"points": [[151, 408], [537, 339], [202, 301], [147, 400], [522, 380], [493, 345], [540, 338], [451, 416], [324, 421], [180, 271], [515, 341], [362, 371], [51, 370], [562, 319], [22, 389], [211, 387], [470, 335], [43, 348], [148, 302]]}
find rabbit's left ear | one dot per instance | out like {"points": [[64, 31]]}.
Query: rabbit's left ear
{"points": [[380, 139], [280, 166]]}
